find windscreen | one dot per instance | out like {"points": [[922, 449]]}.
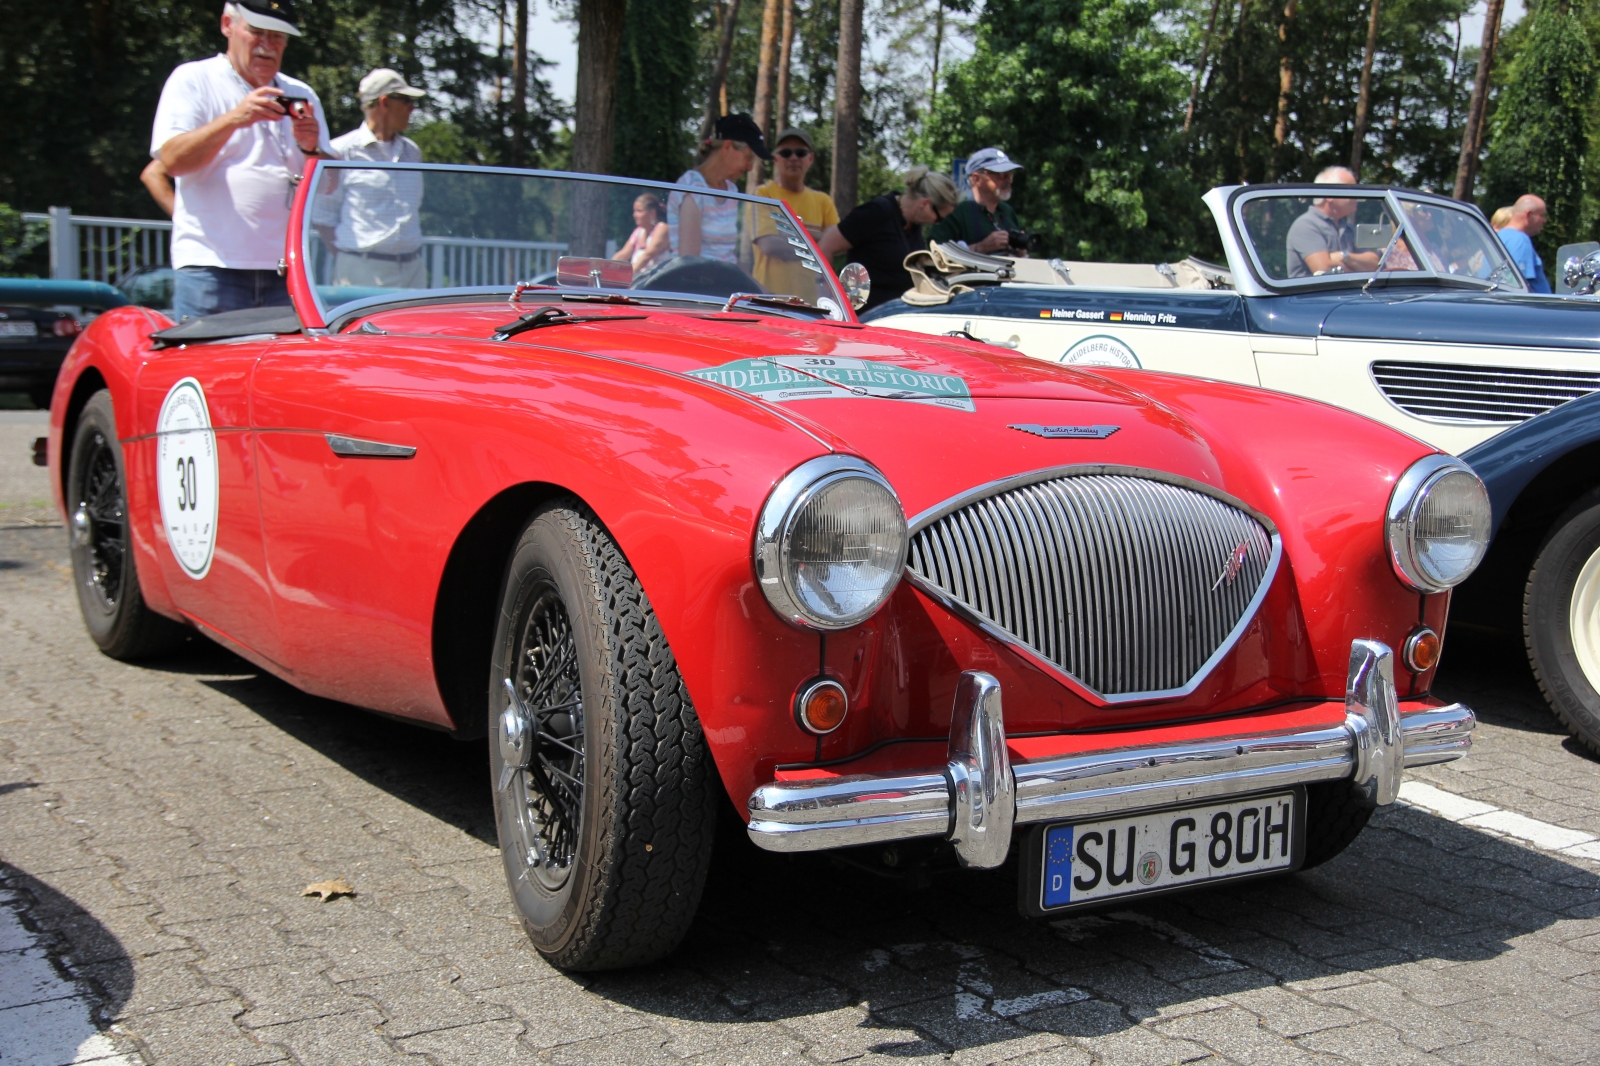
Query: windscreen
{"points": [[1296, 237], [383, 230]]}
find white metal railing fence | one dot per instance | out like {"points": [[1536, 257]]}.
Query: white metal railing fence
{"points": [[458, 261], [92, 248]]}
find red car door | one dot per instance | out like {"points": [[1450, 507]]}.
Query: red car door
{"points": [[356, 521], [198, 452]]}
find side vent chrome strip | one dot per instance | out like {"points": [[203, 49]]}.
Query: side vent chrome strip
{"points": [[355, 448]]}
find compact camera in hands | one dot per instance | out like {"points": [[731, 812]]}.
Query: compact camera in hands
{"points": [[297, 106]]}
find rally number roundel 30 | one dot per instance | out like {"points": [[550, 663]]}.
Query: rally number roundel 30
{"points": [[186, 476]]}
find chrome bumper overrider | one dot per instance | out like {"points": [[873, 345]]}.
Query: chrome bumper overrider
{"points": [[979, 794]]}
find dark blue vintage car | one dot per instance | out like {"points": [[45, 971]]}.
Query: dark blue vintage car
{"points": [[1421, 321]]}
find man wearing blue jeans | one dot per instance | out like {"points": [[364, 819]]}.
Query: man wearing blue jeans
{"points": [[235, 134]]}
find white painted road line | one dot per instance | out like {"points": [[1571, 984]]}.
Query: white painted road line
{"points": [[1546, 836], [44, 1020]]}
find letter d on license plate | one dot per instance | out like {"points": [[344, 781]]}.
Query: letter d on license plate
{"points": [[1158, 851]]}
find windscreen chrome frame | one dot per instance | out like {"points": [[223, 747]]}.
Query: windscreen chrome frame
{"points": [[297, 257], [1231, 221]]}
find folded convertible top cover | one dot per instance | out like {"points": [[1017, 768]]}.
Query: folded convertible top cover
{"points": [[246, 323]]}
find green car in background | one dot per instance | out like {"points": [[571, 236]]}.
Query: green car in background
{"points": [[39, 320]]}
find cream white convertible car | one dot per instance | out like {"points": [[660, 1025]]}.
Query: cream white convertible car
{"points": [[1424, 324]]}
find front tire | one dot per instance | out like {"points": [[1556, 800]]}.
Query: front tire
{"points": [[1561, 620], [103, 568], [606, 814]]}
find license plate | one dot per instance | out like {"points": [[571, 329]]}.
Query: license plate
{"points": [[1089, 862], [19, 329]]}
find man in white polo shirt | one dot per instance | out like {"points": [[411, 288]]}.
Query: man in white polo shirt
{"points": [[237, 150], [370, 217]]}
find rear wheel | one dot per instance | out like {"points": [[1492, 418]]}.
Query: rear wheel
{"points": [[604, 791], [1561, 620], [103, 567]]}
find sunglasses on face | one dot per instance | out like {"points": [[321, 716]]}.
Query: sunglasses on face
{"points": [[792, 153]]}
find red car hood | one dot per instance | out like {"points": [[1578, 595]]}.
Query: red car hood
{"points": [[937, 415]]}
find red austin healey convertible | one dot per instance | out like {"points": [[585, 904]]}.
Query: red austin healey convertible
{"points": [[682, 532]]}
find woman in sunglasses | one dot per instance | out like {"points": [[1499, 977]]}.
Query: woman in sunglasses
{"points": [[880, 233], [778, 269]]}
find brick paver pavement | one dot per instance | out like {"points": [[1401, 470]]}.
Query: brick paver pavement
{"points": [[158, 823]]}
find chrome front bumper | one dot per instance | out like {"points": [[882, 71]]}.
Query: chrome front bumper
{"points": [[979, 795]]}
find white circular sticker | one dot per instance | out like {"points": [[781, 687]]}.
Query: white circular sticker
{"points": [[1100, 350], [186, 476]]}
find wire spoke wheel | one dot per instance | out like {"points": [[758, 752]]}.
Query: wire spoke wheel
{"points": [[604, 793], [104, 571], [99, 523], [548, 793]]}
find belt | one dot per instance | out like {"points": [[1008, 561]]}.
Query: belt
{"points": [[384, 257]]}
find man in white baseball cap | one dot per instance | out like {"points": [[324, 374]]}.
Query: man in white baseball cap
{"points": [[235, 133], [984, 222], [369, 217]]}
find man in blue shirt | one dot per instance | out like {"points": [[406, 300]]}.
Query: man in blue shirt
{"points": [[1527, 219]]}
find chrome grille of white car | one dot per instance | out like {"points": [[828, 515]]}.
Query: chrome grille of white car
{"points": [[1453, 392], [1130, 585]]}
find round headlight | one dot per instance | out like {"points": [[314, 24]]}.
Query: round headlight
{"points": [[830, 544], [1438, 524]]}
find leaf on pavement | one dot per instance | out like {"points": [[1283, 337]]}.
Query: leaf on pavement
{"points": [[329, 889]]}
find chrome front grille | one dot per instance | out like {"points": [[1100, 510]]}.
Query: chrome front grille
{"points": [[1455, 393], [1131, 585]]}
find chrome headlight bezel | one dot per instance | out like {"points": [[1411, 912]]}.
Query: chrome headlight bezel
{"points": [[787, 501], [1400, 522]]}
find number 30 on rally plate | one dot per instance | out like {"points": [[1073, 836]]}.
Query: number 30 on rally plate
{"points": [[186, 477], [1072, 865]]}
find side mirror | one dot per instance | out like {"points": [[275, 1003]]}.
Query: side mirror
{"points": [[857, 284]]}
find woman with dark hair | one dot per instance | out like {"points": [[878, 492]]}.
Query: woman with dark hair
{"points": [[648, 244]]}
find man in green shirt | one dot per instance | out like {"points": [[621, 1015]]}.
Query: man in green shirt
{"points": [[981, 222]]}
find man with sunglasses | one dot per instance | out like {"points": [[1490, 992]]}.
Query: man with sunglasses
{"points": [[235, 133], [778, 269]]}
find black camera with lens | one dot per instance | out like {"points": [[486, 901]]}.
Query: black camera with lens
{"points": [[1023, 242]]}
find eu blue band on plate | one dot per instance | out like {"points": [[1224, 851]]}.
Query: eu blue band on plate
{"points": [[1058, 866]]}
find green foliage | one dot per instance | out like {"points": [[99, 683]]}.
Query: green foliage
{"points": [[1540, 132], [19, 241], [79, 81], [1086, 94], [652, 138], [1421, 82]]}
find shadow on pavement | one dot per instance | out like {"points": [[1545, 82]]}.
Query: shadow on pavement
{"points": [[952, 965], [782, 937], [441, 776], [45, 1020]]}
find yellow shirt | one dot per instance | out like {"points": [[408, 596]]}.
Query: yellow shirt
{"points": [[789, 277]]}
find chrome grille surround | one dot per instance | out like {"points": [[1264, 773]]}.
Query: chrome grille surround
{"points": [[1112, 579], [1457, 392]]}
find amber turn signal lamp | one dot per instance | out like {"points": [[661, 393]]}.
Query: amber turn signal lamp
{"points": [[1422, 650], [821, 706]]}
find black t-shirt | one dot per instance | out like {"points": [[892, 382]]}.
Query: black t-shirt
{"points": [[880, 240]]}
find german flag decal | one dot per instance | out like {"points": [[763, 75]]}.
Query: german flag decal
{"points": [[1116, 316]]}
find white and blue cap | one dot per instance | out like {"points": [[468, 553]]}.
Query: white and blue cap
{"points": [[994, 160]]}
